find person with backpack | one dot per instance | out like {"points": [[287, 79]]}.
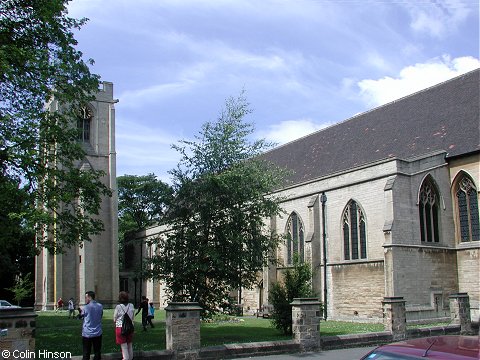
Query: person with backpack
{"points": [[123, 319]]}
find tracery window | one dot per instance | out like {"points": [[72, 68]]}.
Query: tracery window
{"points": [[428, 208], [467, 209], [295, 238], [354, 232], [84, 120]]}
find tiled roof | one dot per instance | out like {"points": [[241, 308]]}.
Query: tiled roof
{"points": [[442, 117]]}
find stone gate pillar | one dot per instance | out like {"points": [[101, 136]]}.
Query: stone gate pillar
{"points": [[460, 312], [17, 327], [306, 315], [183, 327], [395, 317]]}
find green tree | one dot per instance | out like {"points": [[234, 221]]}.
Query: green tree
{"points": [[23, 288], [38, 148], [16, 239], [142, 201], [297, 283], [217, 240]]}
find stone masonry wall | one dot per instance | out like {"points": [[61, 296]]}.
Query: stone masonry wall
{"points": [[468, 273], [355, 297], [422, 273], [19, 327], [183, 326], [306, 317]]}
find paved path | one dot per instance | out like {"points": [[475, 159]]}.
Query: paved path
{"points": [[342, 354]]}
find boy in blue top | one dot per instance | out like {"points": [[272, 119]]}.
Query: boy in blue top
{"points": [[92, 314], [151, 314]]}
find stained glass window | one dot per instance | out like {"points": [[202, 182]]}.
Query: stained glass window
{"points": [[467, 209], [428, 212], [295, 238], [354, 232]]}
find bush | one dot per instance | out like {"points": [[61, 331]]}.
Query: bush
{"points": [[296, 284]]}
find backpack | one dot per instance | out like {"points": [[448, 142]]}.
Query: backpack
{"points": [[127, 325]]}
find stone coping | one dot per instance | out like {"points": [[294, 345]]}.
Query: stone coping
{"points": [[16, 313], [393, 299], [305, 301], [458, 295], [183, 306]]}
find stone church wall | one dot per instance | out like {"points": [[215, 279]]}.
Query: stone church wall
{"points": [[358, 291], [468, 278], [406, 226], [468, 254], [425, 277], [356, 287]]}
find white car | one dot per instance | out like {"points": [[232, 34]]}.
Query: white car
{"points": [[4, 304]]}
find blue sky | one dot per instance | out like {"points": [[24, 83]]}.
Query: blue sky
{"points": [[305, 64]]}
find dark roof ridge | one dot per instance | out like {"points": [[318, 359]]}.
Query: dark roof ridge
{"points": [[353, 117]]}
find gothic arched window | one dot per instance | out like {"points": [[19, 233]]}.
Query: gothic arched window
{"points": [[428, 207], [295, 238], [467, 209], [354, 232], [84, 119]]}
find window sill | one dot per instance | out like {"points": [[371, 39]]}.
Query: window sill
{"points": [[468, 245]]}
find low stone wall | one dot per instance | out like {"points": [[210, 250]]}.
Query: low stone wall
{"points": [[354, 340], [18, 332], [232, 351], [228, 351]]}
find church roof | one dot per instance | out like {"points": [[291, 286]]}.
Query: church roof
{"points": [[442, 117]]}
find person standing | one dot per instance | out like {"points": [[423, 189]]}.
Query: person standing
{"points": [[121, 310], [92, 314], [151, 314], [59, 305], [71, 309], [144, 308]]}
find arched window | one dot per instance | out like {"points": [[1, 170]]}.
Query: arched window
{"points": [[84, 119], [295, 238], [467, 209], [354, 232], [428, 207]]}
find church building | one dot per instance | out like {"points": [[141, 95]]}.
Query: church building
{"points": [[384, 204], [93, 266], [399, 188]]}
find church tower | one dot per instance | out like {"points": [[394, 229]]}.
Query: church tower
{"points": [[93, 266]]}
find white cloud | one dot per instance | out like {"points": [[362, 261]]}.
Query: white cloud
{"points": [[415, 78], [437, 18], [185, 80], [290, 130], [217, 60]]}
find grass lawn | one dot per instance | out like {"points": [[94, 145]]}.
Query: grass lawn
{"points": [[55, 332]]}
